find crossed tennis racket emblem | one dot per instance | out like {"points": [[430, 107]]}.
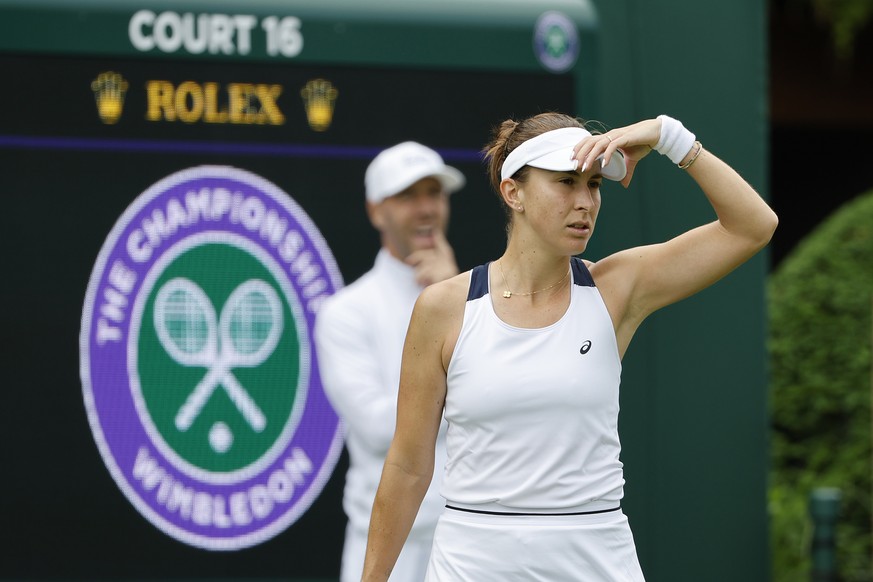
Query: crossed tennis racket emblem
{"points": [[244, 335]]}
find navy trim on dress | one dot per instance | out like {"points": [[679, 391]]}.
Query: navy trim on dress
{"points": [[479, 278], [510, 513], [581, 275], [478, 282]]}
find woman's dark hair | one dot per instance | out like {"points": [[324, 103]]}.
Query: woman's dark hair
{"points": [[510, 134]]}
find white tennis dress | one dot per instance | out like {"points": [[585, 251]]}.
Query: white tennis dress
{"points": [[533, 481]]}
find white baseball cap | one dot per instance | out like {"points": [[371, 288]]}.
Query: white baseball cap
{"points": [[553, 150], [399, 167]]}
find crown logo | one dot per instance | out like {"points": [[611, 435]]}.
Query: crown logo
{"points": [[109, 89], [319, 96]]}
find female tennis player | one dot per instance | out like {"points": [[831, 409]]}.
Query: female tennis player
{"points": [[523, 355]]}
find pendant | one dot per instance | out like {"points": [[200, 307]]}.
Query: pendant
{"points": [[507, 294]]}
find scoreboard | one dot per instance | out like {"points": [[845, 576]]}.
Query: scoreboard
{"points": [[183, 186]]}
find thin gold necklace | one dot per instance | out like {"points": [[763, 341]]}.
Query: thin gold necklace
{"points": [[507, 293]]}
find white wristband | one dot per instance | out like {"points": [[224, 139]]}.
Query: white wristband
{"points": [[675, 141]]}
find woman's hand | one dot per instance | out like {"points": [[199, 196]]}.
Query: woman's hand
{"points": [[635, 142]]}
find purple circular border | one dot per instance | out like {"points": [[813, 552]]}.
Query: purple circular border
{"points": [[109, 402]]}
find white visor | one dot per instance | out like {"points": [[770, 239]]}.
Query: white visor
{"points": [[553, 151]]}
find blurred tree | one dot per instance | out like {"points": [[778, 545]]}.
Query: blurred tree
{"points": [[845, 18], [820, 355]]}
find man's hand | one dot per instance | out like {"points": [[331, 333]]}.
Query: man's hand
{"points": [[435, 264]]}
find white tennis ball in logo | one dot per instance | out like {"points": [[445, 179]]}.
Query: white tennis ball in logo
{"points": [[220, 437]]}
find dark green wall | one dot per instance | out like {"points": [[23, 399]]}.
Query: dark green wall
{"points": [[694, 411]]}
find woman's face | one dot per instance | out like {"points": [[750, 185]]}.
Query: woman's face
{"points": [[562, 207]]}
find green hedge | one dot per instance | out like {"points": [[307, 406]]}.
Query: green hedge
{"points": [[820, 343]]}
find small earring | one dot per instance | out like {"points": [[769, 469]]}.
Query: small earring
{"points": [[520, 207]]}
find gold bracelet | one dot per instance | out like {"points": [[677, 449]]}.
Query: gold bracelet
{"points": [[687, 164]]}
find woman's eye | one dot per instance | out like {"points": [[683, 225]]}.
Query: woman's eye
{"points": [[594, 184]]}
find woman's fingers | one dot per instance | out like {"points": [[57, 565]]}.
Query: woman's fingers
{"points": [[635, 141], [610, 148], [589, 149]]}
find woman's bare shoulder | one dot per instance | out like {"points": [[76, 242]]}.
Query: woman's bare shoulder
{"points": [[439, 313], [446, 298], [618, 268]]}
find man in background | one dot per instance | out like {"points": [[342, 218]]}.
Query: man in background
{"points": [[360, 331]]}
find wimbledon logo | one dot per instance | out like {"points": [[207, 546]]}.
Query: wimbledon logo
{"points": [[198, 369], [556, 41]]}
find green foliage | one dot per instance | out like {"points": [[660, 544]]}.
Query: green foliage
{"points": [[846, 18], [820, 345]]}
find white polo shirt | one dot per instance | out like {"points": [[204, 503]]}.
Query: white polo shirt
{"points": [[359, 336]]}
